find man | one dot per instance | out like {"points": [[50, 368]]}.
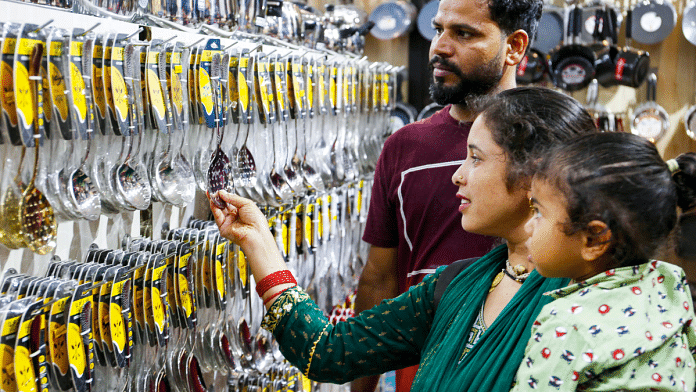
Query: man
{"points": [[413, 224]]}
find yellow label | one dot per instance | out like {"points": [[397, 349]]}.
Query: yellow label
{"points": [[242, 266], [8, 96], [56, 48], [310, 89], [158, 310], [9, 45], [76, 48], [332, 86], [299, 231], [154, 88], [375, 90], [23, 94], [120, 94], [219, 274], [118, 327], [7, 375], [207, 56], [10, 326], [184, 291], [244, 62], [152, 57], [320, 218], [360, 190], [177, 94], [286, 232], [243, 92], [76, 349], [98, 88], [24, 369], [27, 45], [385, 90], [107, 87], [279, 89], [234, 89], [138, 299], [308, 224], [266, 98], [60, 100], [206, 91], [353, 86], [78, 92]]}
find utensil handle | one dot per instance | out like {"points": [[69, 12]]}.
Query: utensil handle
{"points": [[651, 88]]}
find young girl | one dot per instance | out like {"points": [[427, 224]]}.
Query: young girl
{"points": [[602, 205]]}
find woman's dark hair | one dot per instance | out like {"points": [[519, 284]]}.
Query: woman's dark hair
{"points": [[527, 121], [621, 180]]}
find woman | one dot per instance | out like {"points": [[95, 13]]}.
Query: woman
{"points": [[475, 338]]}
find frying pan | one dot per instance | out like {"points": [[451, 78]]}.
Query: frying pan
{"points": [[653, 21], [393, 19], [650, 120], [550, 30], [689, 22], [572, 66], [425, 20], [532, 68]]}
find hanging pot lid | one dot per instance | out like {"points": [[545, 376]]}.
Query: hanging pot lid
{"points": [[653, 21], [550, 30], [689, 22], [393, 19], [425, 20]]}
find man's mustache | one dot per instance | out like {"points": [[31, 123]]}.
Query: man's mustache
{"points": [[443, 62]]}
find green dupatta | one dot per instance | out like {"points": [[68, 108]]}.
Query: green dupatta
{"points": [[492, 363]]}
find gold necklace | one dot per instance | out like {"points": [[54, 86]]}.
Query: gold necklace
{"points": [[496, 281]]}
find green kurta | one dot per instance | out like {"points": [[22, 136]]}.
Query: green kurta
{"points": [[406, 331]]}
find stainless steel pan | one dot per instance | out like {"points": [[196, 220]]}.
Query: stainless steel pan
{"points": [[650, 120]]}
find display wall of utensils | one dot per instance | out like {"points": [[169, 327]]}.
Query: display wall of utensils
{"points": [[283, 19], [139, 134], [166, 312]]}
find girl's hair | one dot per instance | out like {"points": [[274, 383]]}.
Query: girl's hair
{"points": [[527, 121], [621, 180]]}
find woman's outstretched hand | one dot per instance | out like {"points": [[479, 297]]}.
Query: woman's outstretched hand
{"points": [[240, 221], [243, 223]]}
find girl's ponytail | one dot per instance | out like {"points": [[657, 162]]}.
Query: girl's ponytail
{"points": [[685, 178]]}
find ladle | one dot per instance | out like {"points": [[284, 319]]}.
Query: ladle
{"points": [[83, 193], [130, 183]]}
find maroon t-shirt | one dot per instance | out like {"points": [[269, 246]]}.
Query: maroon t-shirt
{"points": [[414, 206]]}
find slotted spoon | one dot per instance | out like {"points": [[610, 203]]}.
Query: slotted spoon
{"points": [[220, 168], [38, 224]]}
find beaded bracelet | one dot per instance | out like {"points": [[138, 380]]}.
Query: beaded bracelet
{"points": [[274, 279], [277, 294]]}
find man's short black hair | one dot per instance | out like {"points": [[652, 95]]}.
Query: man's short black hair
{"points": [[513, 15]]}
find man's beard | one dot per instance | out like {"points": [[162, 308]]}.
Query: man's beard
{"points": [[477, 83]]}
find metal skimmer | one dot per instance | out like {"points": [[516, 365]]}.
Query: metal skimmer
{"points": [[38, 224], [220, 169]]}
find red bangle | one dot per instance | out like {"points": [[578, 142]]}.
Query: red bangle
{"points": [[276, 294], [274, 279]]}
